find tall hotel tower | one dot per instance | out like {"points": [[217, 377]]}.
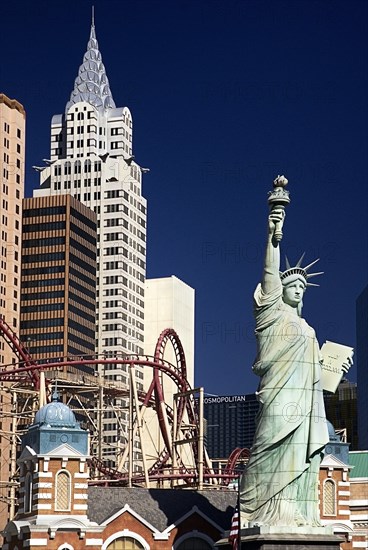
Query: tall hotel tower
{"points": [[12, 144], [92, 159]]}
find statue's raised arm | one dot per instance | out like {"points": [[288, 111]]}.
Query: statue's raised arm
{"points": [[271, 270], [278, 199]]}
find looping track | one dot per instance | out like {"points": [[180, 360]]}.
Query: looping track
{"points": [[27, 372]]}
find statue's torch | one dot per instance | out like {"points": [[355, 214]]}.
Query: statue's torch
{"points": [[278, 198]]}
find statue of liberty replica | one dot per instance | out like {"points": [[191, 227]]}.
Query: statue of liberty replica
{"points": [[279, 487]]}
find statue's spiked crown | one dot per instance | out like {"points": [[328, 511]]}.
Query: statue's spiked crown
{"points": [[291, 273]]}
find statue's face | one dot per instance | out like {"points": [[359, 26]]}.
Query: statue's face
{"points": [[293, 293]]}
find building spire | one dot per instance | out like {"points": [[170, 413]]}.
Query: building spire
{"points": [[92, 84]]}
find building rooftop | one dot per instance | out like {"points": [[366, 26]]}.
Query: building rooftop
{"points": [[161, 507], [358, 459], [92, 84], [12, 103]]}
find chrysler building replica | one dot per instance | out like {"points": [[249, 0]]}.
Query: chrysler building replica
{"points": [[92, 159]]}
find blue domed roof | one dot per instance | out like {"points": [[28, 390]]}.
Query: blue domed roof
{"points": [[56, 414]]}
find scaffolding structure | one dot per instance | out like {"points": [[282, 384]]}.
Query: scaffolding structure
{"points": [[164, 443]]}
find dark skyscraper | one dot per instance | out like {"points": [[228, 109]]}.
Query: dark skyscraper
{"points": [[341, 411], [362, 367], [230, 423], [58, 289]]}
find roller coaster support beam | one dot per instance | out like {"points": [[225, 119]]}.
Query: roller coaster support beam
{"points": [[13, 456], [200, 439], [100, 418], [131, 428], [139, 426]]}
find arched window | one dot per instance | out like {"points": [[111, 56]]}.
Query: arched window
{"points": [[329, 498], [77, 167], [28, 493], [62, 491], [125, 543], [87, 166]]}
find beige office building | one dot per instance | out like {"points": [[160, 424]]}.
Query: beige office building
{"points": [[12, 145], [12, 149], [169, 303]]}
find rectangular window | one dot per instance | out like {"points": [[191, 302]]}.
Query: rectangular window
{"points": [[116, 144]]}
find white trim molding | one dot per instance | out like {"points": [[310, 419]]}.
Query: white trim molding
{"points": [[125, 533]]}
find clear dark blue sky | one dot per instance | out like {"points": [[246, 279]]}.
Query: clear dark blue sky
{"points": [[225, 95]]}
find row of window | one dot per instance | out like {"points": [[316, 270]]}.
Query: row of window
{"points": [[116, 193], [82, 301], [40, 258], [42, 243], [91, 281], [44, 226], [7, 145], [6, 173], [43, 270], [81, 313], [83, 234], [43, 282], [83, 249], [116, 237], [44, 336], [79, 327], [83, 219], [87, 167], [45, 211], [42, 323], [83, 342], [82, 289], [82, 264], [43, 307], [49, 295]]}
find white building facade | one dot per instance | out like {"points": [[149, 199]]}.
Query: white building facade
{"points": [[92, 158], [169, 303]]}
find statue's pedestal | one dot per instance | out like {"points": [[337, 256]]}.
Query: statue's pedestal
{"points": [[285, 538]]}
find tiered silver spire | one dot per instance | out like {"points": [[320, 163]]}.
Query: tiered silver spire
{"points": [[92, 84]]}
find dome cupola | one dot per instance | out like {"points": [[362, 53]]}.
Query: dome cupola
{"points": [[56, 415]]}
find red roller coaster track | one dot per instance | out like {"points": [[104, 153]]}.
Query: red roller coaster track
{"points": [[27, 371]]}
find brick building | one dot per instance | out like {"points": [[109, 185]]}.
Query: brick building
{"points": [[59, 511], [359, 497]]}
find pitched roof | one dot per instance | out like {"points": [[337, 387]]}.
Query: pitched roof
{"points": [[358, 459], [161, 507]]}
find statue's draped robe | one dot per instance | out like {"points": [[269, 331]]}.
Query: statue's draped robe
{"points": [[280, 483]]}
